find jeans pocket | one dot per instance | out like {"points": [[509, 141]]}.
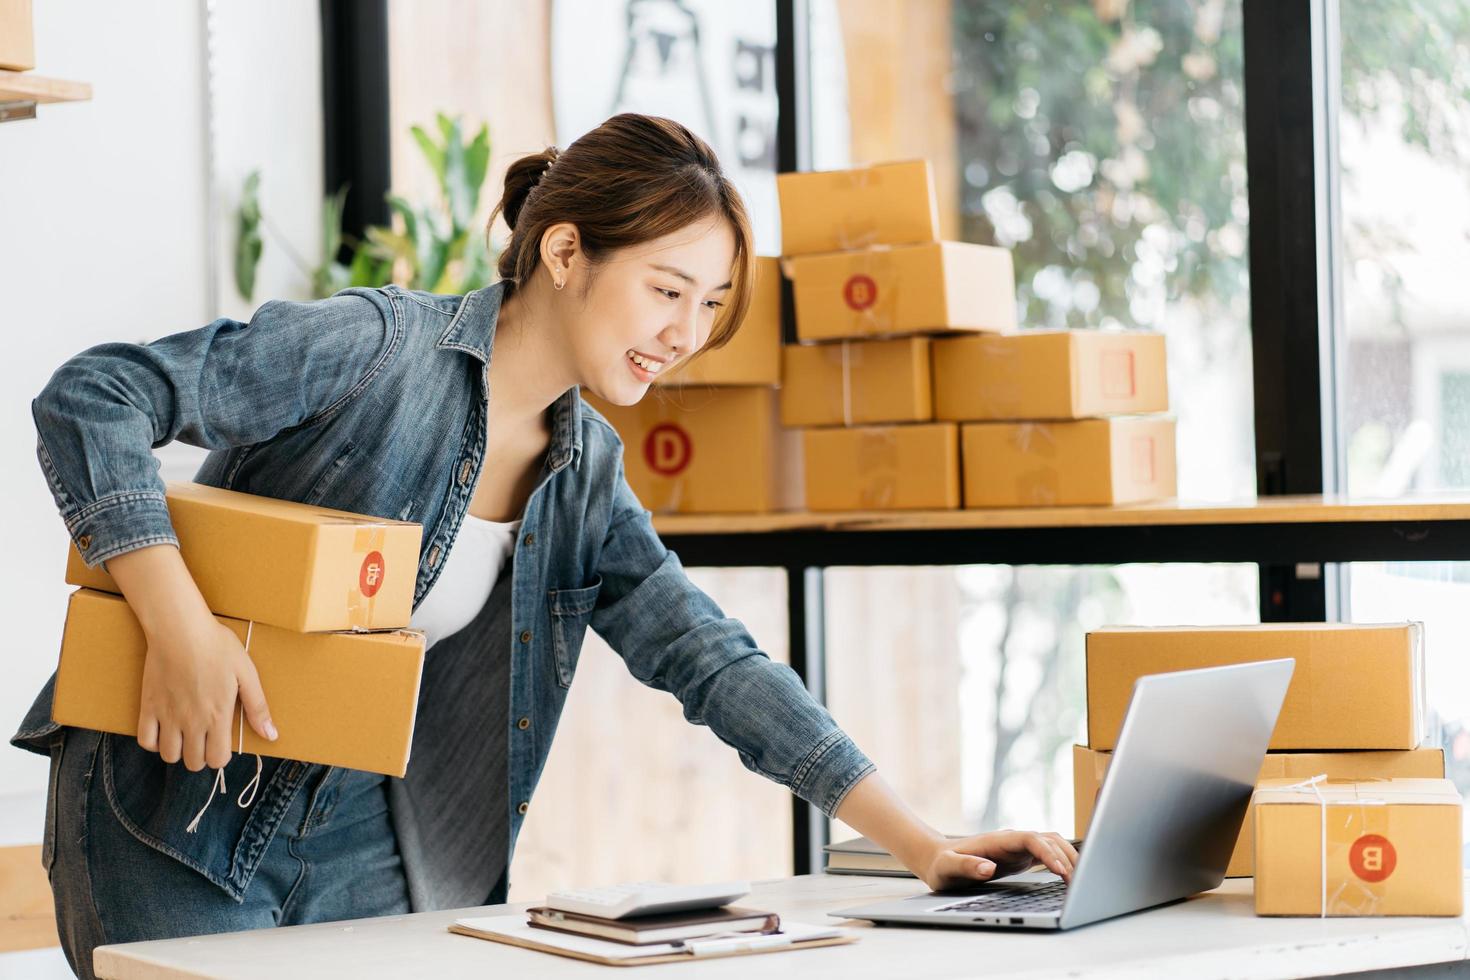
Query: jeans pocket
{"points": [[571, 609], [48, 836]]}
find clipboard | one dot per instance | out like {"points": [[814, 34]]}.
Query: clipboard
{"points": [[514, 930]]}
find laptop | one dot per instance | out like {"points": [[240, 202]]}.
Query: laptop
{"points": [[1167, 816]]}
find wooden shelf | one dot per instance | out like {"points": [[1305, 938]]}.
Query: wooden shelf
{"points": [[24, 86], [1268, 510]]}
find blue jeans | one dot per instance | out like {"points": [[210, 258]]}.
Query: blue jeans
{"points": [[334, 857]]}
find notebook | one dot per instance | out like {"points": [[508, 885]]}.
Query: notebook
{"points": [[861, 856], [645, 929], [516, 931]]}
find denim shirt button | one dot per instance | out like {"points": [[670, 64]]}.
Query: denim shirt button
{"points": [[523, 724], [84, 542], [523, 808], [529, 540], [525, 636], [434, 557], [465, 469]]}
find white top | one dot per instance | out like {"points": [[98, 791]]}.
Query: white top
{"points": [[469, 575], [1214, 936]]}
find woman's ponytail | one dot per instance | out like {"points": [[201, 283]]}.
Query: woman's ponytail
{"points": [[520, 180]]}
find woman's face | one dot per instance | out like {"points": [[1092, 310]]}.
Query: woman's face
{"points": [[648, 306]]}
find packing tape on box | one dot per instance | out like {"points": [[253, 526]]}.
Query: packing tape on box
{"points": [[878, 466], [1354, 821], [847, 357], [855, 230], [365, 541], [1001, 398], [1038, 484], [219, 774], [1036, 437]]}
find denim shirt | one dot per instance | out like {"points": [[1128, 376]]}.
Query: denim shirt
{"points": [[375, 401]]}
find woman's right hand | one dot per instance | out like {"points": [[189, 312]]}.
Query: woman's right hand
{"points": [[195, 667], [191, 678]]}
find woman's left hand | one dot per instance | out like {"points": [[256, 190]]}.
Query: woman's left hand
{"points": [[965, 861]]}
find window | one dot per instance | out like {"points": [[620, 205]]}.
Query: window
{"points": [[1103, 144], [966, 685], [1404, 143], [1404, 385]]}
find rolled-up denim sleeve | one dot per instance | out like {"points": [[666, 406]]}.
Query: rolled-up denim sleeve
{"points": [[675, 638], [227, 384]]}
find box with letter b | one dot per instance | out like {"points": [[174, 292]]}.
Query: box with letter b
{"points": [[292, 565]]}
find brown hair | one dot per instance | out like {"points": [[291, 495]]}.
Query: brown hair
{"points": [[631, 180]]}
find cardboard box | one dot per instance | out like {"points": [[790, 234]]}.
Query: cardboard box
{"points": [[1354, 687], [707, 451], [857, 382], [303, 568], [753, 355], [1082, 463], [835, 210], [1089, 766], [906, 289], [1050, 374], [17, 36], [883, 467], [340, 699], [1391, 847]]}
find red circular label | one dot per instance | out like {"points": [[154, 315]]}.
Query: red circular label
{"points": [[860, 292], [668, 449], [1372, 857], [370, 576]]}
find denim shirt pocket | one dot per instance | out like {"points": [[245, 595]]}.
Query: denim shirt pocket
{"points": [[571, 610]]}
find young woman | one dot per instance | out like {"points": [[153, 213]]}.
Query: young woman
{"points": [[629, 251]]}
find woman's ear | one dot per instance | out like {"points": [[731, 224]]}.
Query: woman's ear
{"points": [[561, 245]]}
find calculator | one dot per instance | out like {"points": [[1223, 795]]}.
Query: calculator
{"points": [[645, 898]]}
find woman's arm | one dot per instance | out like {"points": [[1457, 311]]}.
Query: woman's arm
{"points": [[674, 638], [222, 385], [226, 384], [874, 810]]}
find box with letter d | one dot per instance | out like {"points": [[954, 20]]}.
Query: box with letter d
{"points": [[702, 450]]}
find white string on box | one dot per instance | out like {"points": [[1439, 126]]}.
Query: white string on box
{"points": [[1314, 784], [846, 384], [219, 774]]}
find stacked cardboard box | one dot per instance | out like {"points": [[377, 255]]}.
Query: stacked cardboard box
{"points": [[1354, 710], [1358, 847], [1056, 417], [872, 284], [323, 598], [17, 36], [705, 439]]}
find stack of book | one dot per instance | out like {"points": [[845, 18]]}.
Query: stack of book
{"points": [[668, 927], [632, 925]]}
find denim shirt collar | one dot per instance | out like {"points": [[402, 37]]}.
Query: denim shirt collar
{"points": [[472, 330]]}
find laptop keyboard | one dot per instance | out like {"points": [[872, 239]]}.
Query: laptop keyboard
{"points": [[1013, 898]]}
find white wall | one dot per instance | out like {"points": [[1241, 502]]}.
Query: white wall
{"points": [[103, 235]]}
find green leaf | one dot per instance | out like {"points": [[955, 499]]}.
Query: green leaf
{"points": [[458, 191], [477, 164], [431, 152], [367, 270], [248, 243]]}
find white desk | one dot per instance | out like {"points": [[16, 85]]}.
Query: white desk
{"points": [[1214, 935]]}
